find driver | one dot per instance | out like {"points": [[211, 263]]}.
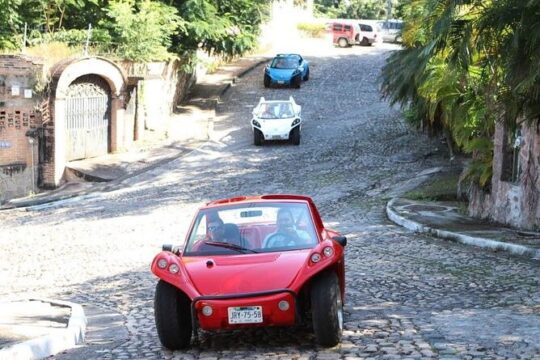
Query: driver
{"points": [[216, 230], [286, 233]]}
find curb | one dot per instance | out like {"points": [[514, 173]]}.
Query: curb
{"points": [[464, 239], [48, 345]]}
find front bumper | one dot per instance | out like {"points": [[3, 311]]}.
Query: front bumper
{"points": [[276, 131], [282, 80], [272, 315]]}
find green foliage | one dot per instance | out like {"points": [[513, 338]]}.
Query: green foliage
{"points": [[220, 27], [364, 9], [312, 29], [465, 66], [141, 31], [355, 9]]}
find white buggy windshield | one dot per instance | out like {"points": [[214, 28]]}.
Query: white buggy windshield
{"points": [[276, 110]]}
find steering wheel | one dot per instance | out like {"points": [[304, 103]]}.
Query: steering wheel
{"points": [[280, 240]]}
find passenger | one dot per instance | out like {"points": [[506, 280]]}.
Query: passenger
{"points": [[286, 233]]}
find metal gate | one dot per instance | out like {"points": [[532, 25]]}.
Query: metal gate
{"points": [[87, 118]]}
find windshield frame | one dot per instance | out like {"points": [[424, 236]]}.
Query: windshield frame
{"points": [[310, 227], [262, 114], [288, 61]]}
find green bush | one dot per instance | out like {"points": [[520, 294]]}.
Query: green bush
{"points": [[315, 30]]}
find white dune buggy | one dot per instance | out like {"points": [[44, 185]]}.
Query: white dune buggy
{"points": [[276, 120]]}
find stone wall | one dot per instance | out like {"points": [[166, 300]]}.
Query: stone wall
{"points": [[153, 113], [20, 116], [513, 203]]}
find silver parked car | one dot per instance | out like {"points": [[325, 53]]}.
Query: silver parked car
{"points": [[391, 30]]}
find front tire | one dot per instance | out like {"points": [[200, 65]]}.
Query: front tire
{"points": [[297, 81], [306, 78], [266, 81], [295, 136], [327, 309], [173, 316], [257, 137], [365, 42]]}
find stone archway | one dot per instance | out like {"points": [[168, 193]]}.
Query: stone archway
{"points": [[64, 76]]}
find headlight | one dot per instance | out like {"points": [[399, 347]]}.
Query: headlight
{"points": [[256, 123], [207, 310], [295, 122], [315, 258], [328, 251], [162, 263], [174, 269]]}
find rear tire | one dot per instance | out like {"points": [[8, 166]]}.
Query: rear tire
{"points": [[327, 309], [257, 137], [295, 136], [342, 42], [266, 81], [173, 316]]}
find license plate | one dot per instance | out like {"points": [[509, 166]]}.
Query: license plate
{"points": [[245, 315], [281, 82], [276, 137]]}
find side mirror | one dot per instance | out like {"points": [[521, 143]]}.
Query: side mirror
{"points": [[171, 248], [341, 240]]}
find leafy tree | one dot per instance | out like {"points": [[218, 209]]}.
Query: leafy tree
{"points": [[141, 31], [10, 22], [465, 66], [354, 9], [364, 9], [227, 27]]}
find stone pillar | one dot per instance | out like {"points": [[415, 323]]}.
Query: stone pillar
{"points": [[59, 140]]}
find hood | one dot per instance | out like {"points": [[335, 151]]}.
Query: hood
{"points": [[281, 74], [244, 273]]}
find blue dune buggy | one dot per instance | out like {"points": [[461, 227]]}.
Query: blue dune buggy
{"points": [[286, 69]]}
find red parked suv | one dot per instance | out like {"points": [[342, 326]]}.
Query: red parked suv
{"points": [[345, 33]]}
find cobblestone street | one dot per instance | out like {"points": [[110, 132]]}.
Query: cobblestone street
{"points": [[407, 296]]}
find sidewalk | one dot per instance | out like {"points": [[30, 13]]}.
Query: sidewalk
{"points": [[443, 220], [35, 329], [195, 114]]}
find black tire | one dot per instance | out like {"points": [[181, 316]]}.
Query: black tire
{"points": [[173, 316], [266, 81], [297, 81], [342, 42], [365, 42], [295, 136], [257, 137], [327, 309], [306, 78]]}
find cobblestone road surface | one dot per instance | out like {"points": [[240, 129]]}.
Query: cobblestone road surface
{"points": [[408, 296]]}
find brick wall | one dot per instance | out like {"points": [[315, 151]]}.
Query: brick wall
{"points": [[19, 113]]}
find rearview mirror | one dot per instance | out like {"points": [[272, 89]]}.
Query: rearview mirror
{"points": [[341, 240]]}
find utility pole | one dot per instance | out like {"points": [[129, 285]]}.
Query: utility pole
{"points": [[88, 36], [25, 37]]}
